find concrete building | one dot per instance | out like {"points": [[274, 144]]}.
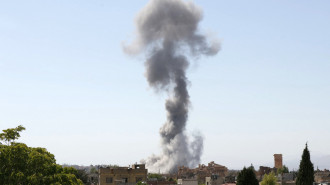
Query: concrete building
{"points": [[123, 175], [322, 176], [213, 170], [278, 161], [157, 182], [187, 182], [214, 180], [287, 178]]}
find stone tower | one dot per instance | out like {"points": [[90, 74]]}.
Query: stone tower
{"points": [[278, 160]]}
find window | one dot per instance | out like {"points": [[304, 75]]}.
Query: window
{"points": [[108, 180], [124, 180]]}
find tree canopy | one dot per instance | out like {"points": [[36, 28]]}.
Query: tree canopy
{"points": [[269, 179], [11, 134], [282, 170], [155, 175], [306, 169], [20, 164], [247, 177]]}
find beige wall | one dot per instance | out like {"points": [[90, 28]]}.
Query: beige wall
{"points": [[122, 174], [187, 182]]}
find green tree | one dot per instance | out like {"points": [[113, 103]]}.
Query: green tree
{"points": [[82, 175], [306, 169], [269, 179], [141, 183], [93, 170], [171, 179], [11, 134], [155, 175], [20, 164], [282, 170], [247, 177]]}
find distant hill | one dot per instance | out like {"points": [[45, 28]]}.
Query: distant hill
{"points": [[88, 168]]}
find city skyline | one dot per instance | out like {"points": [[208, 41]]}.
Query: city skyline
{"points": [[66, 79]]}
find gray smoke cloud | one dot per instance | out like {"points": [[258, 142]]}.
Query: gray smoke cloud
{"points": [[167, 31]]}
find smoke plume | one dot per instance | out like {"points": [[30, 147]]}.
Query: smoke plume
{"points": [[167, 31]]}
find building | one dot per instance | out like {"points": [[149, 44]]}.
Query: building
{"points": [[123, 175], [157, 182], [264, 170], [214, 180], [213, 170], [288, 178], [322, 176], [278, 161], [187, 182]]}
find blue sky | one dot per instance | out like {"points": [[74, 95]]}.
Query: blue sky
{"points": [[64, 76]]}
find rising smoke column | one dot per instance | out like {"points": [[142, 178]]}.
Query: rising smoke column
{"points": [[167, 31]]}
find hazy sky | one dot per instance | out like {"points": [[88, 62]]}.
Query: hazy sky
{"points": [[64, 76]]}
